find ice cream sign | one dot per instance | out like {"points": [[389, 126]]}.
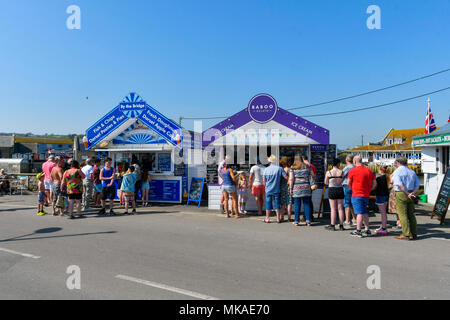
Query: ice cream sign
{"points": [[262, 108]]}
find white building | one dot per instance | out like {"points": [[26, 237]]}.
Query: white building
{"points": [[394, 144], [435, 159]]}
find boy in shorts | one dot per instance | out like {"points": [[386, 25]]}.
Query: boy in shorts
{"points": [[41, 195], [128, 189]]}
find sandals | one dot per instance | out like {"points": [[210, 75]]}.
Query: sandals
{"points": [[266, 221]]}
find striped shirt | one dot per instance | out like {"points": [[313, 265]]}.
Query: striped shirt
{"points": [[302, 182]]}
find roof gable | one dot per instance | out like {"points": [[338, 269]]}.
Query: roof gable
{"points": [[125, 114], [283, 117]]}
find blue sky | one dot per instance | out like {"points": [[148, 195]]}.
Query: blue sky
{"points": [[209, 58]]}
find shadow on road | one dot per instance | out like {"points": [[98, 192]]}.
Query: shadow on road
{"points": [[15, 209], [52, 230]]}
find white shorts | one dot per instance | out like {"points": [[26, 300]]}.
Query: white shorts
{"points": [[48, 185]]}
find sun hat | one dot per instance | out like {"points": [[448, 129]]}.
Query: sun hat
{"points": [[52, 157], [272, 159]]}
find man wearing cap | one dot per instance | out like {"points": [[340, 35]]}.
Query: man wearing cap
{"points": [[257, 184], [47, 167], [272, 178]]}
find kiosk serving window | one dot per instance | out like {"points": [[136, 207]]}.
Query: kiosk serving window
{"points": [[157, 162], [291, 152]]}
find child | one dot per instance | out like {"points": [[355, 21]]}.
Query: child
{"points": [[382, 193], [146, 179], [127, 188], [242, 192], [41, 196]]}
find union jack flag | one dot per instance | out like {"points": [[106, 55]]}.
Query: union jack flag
{"points": [[430, 126]]}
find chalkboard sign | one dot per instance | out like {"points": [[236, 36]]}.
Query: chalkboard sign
{"points": [[212, 175], [443, 199], [318, 160], [331, 153], [196, 191]]}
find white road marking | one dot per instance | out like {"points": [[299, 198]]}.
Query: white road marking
{"points": [[166, 287], [440, 239], [26, 255]]}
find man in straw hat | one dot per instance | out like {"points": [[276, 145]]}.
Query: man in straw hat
{"points": [[272, 178]]}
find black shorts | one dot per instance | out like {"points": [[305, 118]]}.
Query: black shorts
{"points": [[109, 192], [75, 196], [336, 193]]}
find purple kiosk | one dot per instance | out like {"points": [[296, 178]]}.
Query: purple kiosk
{"points": [[262, 129]]}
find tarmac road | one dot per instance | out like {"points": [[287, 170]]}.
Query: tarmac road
{"points": [[175, 252]]}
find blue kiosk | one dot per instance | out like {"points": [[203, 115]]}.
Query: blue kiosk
{"points": [[134, 132]]}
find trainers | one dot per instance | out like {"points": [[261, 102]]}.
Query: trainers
{"points": [[397, 227], [341, 227], [102, 211], [133, 211], [356, 233], [41, 213], [330, 228], [381, 232], [367, 233]]}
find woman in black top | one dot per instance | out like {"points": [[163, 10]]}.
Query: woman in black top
{"points": [[382, 193]]}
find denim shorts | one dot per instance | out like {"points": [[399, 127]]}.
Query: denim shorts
{"points": [[228, 189], [347, 197], [382, 199], [276, 200], [360, 205]]}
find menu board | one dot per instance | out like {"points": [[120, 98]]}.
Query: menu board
{"points": [[318, 160], [212, 175], [180, 169], [196, 192], [331, 153], [164, 162], [442, 201], [165, 191]]}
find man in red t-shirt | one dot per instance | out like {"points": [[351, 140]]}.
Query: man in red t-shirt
{"points": [[361, 181]]}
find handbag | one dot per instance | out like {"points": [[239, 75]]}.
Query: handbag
{"points": [[60, 202]]}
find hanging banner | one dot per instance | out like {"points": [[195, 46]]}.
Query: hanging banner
{"points": [[163, 126], [104, 127]]}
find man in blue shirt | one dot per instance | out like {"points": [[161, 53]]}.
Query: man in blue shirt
{"points": [[349, 213], [272, 178], [406, 185]]}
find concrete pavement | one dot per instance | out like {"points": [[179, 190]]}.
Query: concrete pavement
{"points": [[175, 252]]}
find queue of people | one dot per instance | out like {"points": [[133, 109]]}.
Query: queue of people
{"points": [[67, 185], [283, 187], [349, 191]]}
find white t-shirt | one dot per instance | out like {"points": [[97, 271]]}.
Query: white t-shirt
{"points": [[87, 170], [258, 172]]}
